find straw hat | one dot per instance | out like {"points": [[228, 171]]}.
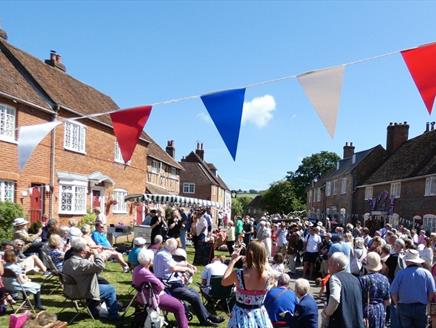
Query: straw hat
{"points": [[412, 255], [373, 262], [139, 241], [19, 222]]}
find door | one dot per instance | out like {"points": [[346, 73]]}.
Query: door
{"points": [[36, 203]]}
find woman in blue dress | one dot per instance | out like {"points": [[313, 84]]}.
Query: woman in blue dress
{"points": [[375, 292], [251, 287]]}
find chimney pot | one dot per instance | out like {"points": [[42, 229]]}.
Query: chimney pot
{"points": [[432, 125], [427, 126]]}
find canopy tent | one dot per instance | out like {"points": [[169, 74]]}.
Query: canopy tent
{"points": [[172, 200]]}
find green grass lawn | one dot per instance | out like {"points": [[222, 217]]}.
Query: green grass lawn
{"points": [[121, 281]]}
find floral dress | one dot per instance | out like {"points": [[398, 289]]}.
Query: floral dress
{"points": [[378, 287], [249, 311]]}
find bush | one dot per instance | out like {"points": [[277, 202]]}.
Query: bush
{"points": [[89, 218], [8, 213]]}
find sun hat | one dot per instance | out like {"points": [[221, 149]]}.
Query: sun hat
{"points": [[179, 255], [412, 255], [74, 232], [19, 222], [373, 262], [139, 241]]}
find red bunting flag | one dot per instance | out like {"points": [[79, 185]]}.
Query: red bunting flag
{"points": [[421, 63], [128, 125]]}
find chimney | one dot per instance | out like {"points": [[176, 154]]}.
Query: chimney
{"points": [[432, 125], [55, 61], [348, 150], [398, 133], [170, 149], [427, 127], [200, 151]]}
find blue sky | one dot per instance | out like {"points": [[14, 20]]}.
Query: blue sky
{"points": [[144, 52]]}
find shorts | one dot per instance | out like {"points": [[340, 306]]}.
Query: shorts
{"points": [[310, 257]]}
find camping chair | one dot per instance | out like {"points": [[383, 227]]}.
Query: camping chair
{"points": [[19, 289], [54, 275], [79, 303], [217, 293]]}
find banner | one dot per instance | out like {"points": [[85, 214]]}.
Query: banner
{"points": [[421, 63], [225, 109], [323, 88], [128, 125], [29, 137]]}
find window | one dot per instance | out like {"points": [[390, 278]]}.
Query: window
{"points": [[318, 194], [118, 157], [7, 122], [72, 197], [74, 137], [343, 185], [430, 186], [328, 187], [7, 191], [155, 166], [309, 197], [188, 188], [121, 206], [368, 193], [396, 189], [335, 187]]}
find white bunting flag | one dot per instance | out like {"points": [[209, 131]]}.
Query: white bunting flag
{"points": [[323, 88], [29, 137]]}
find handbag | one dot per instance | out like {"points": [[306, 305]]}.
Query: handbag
{"points": [[154, 319], [18, 320]]}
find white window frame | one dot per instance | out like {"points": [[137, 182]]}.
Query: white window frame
{"points": [[155, 166], [395, 189], [318, 194], [309, 197], [8, 122], [121, 206], [430, 186], [7, 191], [118, 157], [369, 190], [343, 186], [76, 185], [188, 188], [68, 137], [335, 187], [328, 188]]}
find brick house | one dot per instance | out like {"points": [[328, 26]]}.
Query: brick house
{"points": [[404, 186], [200, 180], [78, 166], [333, 194], [163, 171]]}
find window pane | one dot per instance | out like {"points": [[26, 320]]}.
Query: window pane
{"points": [[7, 122]]}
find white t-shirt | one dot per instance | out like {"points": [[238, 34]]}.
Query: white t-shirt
{"points": [[216, 268], [313, 242], [201, 224]]}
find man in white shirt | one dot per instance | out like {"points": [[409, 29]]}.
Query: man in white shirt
{"points": [[201, 228], [215, 268], [312, 244]]}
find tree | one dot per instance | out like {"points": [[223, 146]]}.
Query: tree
{"points": [[311, 167], [281, 198], [236, 207]]}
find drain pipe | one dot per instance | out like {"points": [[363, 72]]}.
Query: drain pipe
{"points": [[52, 163]]}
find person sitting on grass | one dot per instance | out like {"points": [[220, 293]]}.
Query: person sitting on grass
{"points": [[98, 241], [142, 275], [83, 270]]}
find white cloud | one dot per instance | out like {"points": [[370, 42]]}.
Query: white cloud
{"points": [[204, 117], [259, 111]]}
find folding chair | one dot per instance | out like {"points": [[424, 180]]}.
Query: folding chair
{"points": [[54, 273], [79, 303], [218, 293], [9, 274]]}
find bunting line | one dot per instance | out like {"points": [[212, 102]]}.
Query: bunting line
{"points": [[251, 85]]}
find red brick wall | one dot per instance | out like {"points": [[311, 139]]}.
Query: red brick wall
{"points": [[100, 146]]}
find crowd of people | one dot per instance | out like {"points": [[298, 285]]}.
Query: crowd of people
{"points": [[365, 278]]}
